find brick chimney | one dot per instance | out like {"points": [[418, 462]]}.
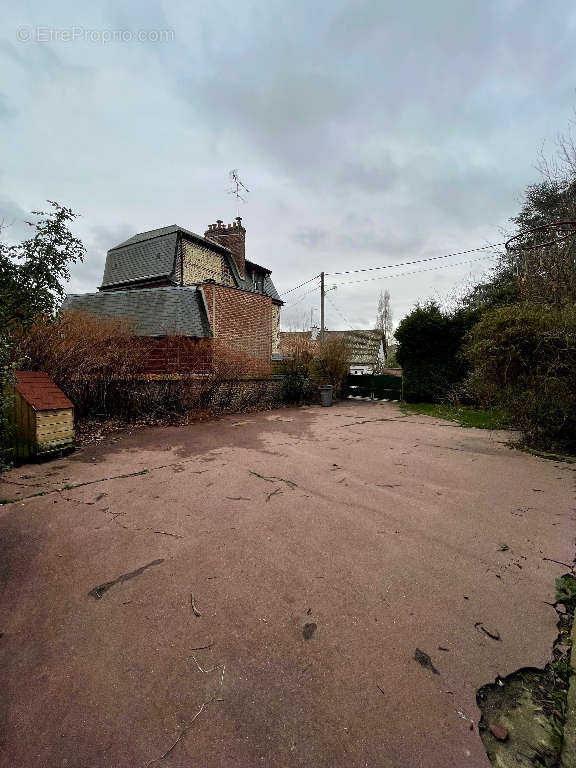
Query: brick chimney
{"points": [[231, 236]]}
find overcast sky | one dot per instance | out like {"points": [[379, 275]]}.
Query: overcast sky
{"points": [[369, 133]]}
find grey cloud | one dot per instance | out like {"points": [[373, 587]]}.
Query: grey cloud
{"points": [[320, 108], [88, 275], [13, 220], [41, 60], [108, 236], [6, 111], [370, 132], [311, 237]]}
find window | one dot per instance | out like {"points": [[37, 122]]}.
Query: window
{"points": [[258, 281]]}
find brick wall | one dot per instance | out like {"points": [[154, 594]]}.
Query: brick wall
{"points": [[242, 343], [242, 323], [178, 354], [200, 263]]}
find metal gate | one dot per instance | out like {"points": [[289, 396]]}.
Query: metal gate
{"points": [[374, 386]]}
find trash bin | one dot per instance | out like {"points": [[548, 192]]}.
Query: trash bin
{"points": [[326, 395]]}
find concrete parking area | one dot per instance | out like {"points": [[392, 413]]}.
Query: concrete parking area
{"points": [[300, 587]]}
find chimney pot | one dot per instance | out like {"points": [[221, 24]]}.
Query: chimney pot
{"points": [[231, 236]]}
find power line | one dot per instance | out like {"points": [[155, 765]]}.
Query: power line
{"points": [[400, 264], [307, 293], [416, 261], [299, 286], [414, 272], [339, 312]]}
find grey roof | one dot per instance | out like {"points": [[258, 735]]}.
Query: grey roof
{"points": [[173, 228], [153, 311], [152, 256], [248, 285], [270, 290], [147, 258]]}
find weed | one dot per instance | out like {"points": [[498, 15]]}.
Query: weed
{"points": [[565, 588]]}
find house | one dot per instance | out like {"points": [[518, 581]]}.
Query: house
{"points": [[366, 346], [190, 295], [367, 350]]}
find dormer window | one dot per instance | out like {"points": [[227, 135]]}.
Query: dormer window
{"points": [[258, 281]]}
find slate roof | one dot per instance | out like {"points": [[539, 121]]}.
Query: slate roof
{"points": [[151, 256], [40, 391], [168, 310], [270, 290]]}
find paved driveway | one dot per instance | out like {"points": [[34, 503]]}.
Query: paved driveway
{"points": [[253, 591]]}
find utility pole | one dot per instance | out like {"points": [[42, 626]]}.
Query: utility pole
{"points": [[322, 293]]}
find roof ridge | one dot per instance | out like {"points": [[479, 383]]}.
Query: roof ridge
{"points": [[167, 230], [161, 232], [143, 288]]}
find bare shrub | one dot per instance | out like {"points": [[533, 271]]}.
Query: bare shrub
{"points": [[107, 371], [233, 380], [87, 357], [299, 349], [332, 359]]}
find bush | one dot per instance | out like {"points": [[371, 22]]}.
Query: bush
{"points": [[6, 400], [429, 352], [296, 382], [313, 362], [101, 366], [295, 386], [332, 360], [97, 363], [525, 356]]}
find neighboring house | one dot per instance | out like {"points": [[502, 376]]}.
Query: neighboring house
{"points": [[185, 292], [366, 347], [367, 350]]}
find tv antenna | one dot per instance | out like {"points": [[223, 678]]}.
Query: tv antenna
{"points": [[238, 189]]}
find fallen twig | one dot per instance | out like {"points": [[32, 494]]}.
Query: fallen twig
{"points": [[195, 610], [167, 533], [206, 671], [559, 562], [274, 479], [181, 736], [269, 496]]}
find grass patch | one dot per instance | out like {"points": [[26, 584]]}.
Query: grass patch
{"points": [[465, 415]]}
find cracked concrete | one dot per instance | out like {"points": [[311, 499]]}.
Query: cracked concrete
{"points": [[401, 555]]}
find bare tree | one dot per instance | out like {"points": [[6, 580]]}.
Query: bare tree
{"points": [[384, 320]]}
